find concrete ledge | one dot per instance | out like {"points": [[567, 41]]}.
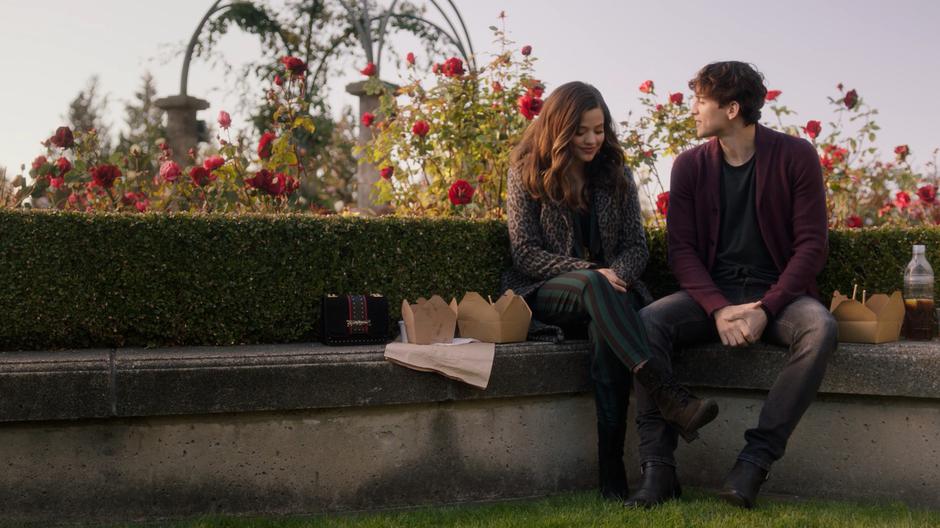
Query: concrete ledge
{"points": [[72, 385]]}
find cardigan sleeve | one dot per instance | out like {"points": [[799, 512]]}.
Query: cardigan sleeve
{"points": [[810, 231], [630, 263], [681, 231], [526, 241]]}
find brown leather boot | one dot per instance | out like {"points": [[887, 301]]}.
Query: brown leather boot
{"points": [[677, 404]]}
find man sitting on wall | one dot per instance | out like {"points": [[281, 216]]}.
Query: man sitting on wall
{"points": [[747, 235]]}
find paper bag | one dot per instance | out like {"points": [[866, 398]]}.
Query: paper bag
{"points": [[470, 363], [879, 320], [505, 321], [429, 320]]}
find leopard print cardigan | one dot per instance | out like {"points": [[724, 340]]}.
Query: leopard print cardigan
{"points": [[541, 236]]}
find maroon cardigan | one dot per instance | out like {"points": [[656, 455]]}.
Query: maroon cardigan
{"points": [[791, 214]]}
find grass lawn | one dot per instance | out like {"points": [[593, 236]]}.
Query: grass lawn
{"points": [[696, 509]]}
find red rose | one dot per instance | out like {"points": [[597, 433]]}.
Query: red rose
{"points": [[902, 199], [902, 151], [647, 154], [63, 165], [772, 95], [170, 171], [201, 176], [213, 162], [104, 175], [387, 172], [676, 98], [497, 86], [369, 70], [368, 118], [453, 67], [264, 145], [295, 66], [278, 80], [526, 50], [850, 99], [39, 162], [662, 203], [659, 108], [854, 222], [410, 58], [142, 203], [225, 120], [535, 88], [529, 106], [56, 182], [274, 184], [647, 87], [63, 138], [436, 69], [927, 193], [885, 210], [460, 193], [420, 128], [812, 129]]}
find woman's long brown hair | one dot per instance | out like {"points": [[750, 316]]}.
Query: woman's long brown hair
{"points": [[544, 158]]}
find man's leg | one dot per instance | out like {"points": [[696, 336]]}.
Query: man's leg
{"points": [[670, 322], [810, 331]]}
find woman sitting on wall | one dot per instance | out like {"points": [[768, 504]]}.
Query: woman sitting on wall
{"points": [[578, 250]]}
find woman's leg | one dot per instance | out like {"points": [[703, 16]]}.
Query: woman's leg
{"points": [[562, 304]]}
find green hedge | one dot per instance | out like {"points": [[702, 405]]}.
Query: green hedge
{"points": [[72, 280]]}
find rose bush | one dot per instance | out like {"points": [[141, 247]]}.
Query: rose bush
{"points": [[72, 174], [862, 189], [444, 149]]}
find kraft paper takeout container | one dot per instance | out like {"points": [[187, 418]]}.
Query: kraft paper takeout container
{"points": [[879, 320], [429, 320], [505, 321]]}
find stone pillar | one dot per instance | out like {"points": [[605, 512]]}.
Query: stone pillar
{"points": [[182, 128], [366, 174]]}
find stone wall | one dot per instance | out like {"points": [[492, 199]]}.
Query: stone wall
{"points": [[132, 434]]}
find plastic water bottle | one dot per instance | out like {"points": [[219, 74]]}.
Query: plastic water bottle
{"points": [[920, 320]]}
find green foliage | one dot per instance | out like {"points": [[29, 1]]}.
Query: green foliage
{"points": [[473, 119], [77, 280], [698, 508], [74, 280]]}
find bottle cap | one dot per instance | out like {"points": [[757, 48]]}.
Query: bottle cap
{"points": [[918, 249]]}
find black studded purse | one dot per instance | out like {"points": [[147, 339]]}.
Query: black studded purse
{"points": [[354, 319]]}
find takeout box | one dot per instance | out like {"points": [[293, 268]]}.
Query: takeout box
{"points": [[505, 321], [429, 320], [878, 320]]}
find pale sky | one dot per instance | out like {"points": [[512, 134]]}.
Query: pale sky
{"points": [[888, 51]]}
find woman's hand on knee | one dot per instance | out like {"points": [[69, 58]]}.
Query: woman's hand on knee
{"points": [[615, 281]]}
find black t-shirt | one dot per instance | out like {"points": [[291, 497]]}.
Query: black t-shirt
{"points": [[587, 236], [742, 253]]}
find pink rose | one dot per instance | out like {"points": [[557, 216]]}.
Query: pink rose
{"points": [[410, 58], [170, 171], [225, 120], [387, 173], [213, 162], [647, 87]]}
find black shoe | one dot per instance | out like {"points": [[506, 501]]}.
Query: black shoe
{"points": [[659, 485], [677, 404], [611, 474], [742, 484]]}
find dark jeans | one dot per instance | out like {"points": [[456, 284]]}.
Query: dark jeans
{"points": [[805, 326]]}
